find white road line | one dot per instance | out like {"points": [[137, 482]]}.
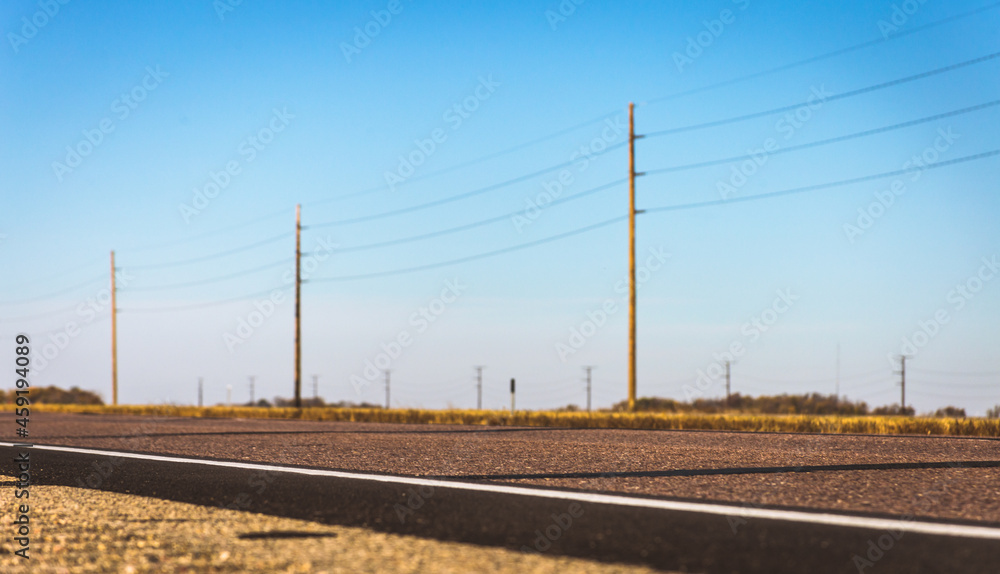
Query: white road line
{"points": [[894, 525]]}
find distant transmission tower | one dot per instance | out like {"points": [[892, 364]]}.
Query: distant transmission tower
{"points": [[588, 369], [479, 387]]}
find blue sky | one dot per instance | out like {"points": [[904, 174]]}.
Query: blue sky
{"points": [[267, 93]]}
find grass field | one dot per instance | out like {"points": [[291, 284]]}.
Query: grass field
{"points": [[676, 421]]}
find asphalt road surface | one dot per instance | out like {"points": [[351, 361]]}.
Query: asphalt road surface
{"points": [[683, 501]]}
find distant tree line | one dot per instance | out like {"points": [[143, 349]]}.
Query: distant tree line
{"points": [[807, 404], [55, 395], [313, 402]]}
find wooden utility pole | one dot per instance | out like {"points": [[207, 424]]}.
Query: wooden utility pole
{"points": [[387, 371], [251, 391], [588, 369], [298, 301], [631, 257], [114, 336], [200, 381], [316, 390], [902, 383], [728, 401], [479, 387]]}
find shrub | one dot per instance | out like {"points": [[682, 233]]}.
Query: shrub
{"points": [[950, 412], [56, 396], [808, 404], [894, 411]]}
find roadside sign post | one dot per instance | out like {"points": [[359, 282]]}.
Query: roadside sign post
{"points": [[512, 396]]}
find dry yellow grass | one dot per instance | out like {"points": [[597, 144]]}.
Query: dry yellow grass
{"points": [[683, 421]]}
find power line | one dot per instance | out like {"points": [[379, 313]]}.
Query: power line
{"points": [[797, 190], [960, 385], [564, 131], [876, 392], [817, 381], [678, 382], [82, 325], [63, 273], [209, 233], [213, 256], [495, 186], [204, 305], [540, 241], [863, 384], [456, 197], [478, 223], [664, 170], [841, 51], [90, 281], [830, 140], [957, 374], [472, 257], [570, 129], [471, 162], [953, 395], [834, 97], [607, 115], [656, 209], [53, 313], [920, 384], [716, 123], [214, 279]]}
